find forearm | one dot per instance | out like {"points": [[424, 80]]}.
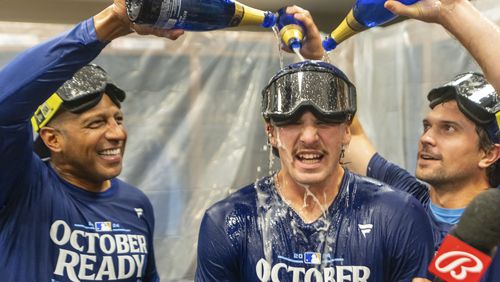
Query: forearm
{"points": [[479, 35], [110, 24], [35, 74], [360, 150]]}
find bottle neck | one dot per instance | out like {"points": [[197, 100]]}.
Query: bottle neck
{"points": [[252, 16], [347, 28], [292, 34]]}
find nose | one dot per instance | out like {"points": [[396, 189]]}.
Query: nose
{"points": [[427, 138], [309, 134], [115, 131]]}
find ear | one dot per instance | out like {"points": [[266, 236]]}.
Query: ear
{"points": [[271, 138], [490, 157], [52, 138], [347, 136]]}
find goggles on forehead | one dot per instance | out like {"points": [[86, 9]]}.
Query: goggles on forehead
{"points": [[82, 92], [314, 85], [476, 99]]}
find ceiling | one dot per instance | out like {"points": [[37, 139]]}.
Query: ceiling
{"points": [[327, 13]]}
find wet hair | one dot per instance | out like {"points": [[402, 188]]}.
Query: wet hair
{"points": [[485, 144]]}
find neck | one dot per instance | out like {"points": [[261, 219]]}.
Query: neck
{"points": [[310, 201], [80, 182], [456, 195]]}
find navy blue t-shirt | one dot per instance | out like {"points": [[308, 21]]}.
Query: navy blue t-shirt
{"points": [[51, 230], [382, 170], [369, 233]]}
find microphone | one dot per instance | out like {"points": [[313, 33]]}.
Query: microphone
{"points": [[465, 252]]}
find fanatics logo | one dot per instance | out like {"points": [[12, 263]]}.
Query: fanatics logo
{"points": [[365, 228], [138, 211]]}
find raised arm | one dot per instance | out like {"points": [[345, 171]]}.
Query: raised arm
{"points": [[31, 77], [479, 35], [360, 150]]}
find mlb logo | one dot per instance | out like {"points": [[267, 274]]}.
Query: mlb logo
{"points": [[103, 226], [312, 258]]}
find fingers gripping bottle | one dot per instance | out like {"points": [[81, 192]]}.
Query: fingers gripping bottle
{"points": [[196, 15], [363, 15], [291, 31]]}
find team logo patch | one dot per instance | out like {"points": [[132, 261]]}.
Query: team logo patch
{"points": [[312, 258], [103, 226]]}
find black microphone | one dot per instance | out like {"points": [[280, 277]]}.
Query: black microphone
{"points": [[465, 252]]}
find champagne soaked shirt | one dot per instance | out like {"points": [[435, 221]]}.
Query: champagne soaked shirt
{"points": [[369, 233]]}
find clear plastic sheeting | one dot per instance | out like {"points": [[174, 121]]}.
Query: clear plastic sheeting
{"points": [[193, 109]]}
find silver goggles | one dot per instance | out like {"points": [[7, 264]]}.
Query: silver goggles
{"points": [[313, 85], [476, 99]]}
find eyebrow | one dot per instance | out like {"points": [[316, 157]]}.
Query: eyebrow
{"points": [[443, 122], [102, 114]]}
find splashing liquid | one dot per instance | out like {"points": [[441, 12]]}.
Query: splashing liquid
{"points": [[278, 39], [274, 210], [297, 52], [307, 192]]}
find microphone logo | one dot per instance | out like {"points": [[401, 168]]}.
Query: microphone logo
{"points": [[450, 261], [455, 261]]}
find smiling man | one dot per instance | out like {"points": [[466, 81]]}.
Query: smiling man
{"points": [[313, 220], [81, 129], [67, 217]]}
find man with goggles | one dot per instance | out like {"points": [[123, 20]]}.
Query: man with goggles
{"points": [[459, 150], [78, 95], [313, 220], [67, 217]]}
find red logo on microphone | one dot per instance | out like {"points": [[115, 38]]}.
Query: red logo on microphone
{"points": [[457, 261]]}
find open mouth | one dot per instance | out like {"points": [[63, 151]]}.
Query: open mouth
{"points": [[110, 152], [429, 157], [309, 158]]}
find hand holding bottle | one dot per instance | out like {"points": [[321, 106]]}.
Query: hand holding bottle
{"points": [[478, 34], [424, 10], [363, 15], [311, 45], [196, 15], [113, 22]]}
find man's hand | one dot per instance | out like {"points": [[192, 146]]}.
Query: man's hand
{"points": [[425, 10], [311, 46], [113, 22]]}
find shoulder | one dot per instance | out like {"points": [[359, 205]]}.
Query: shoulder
{"points": [[127, 187], [240, 203], [374, 192], [130, 193]]}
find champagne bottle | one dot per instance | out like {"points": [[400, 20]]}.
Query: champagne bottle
{"points": [[196, 15], [291, 30], [363, 15]]}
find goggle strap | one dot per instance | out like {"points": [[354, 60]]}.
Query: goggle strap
{"points": [[46, 111], [495, 129], [497, 115]]}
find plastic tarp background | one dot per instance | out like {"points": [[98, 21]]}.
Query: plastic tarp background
{"points": [[193, 109]]}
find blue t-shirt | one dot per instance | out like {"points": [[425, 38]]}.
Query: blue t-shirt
{"points": [[51, 230], [382, 170], [369, 233]]}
